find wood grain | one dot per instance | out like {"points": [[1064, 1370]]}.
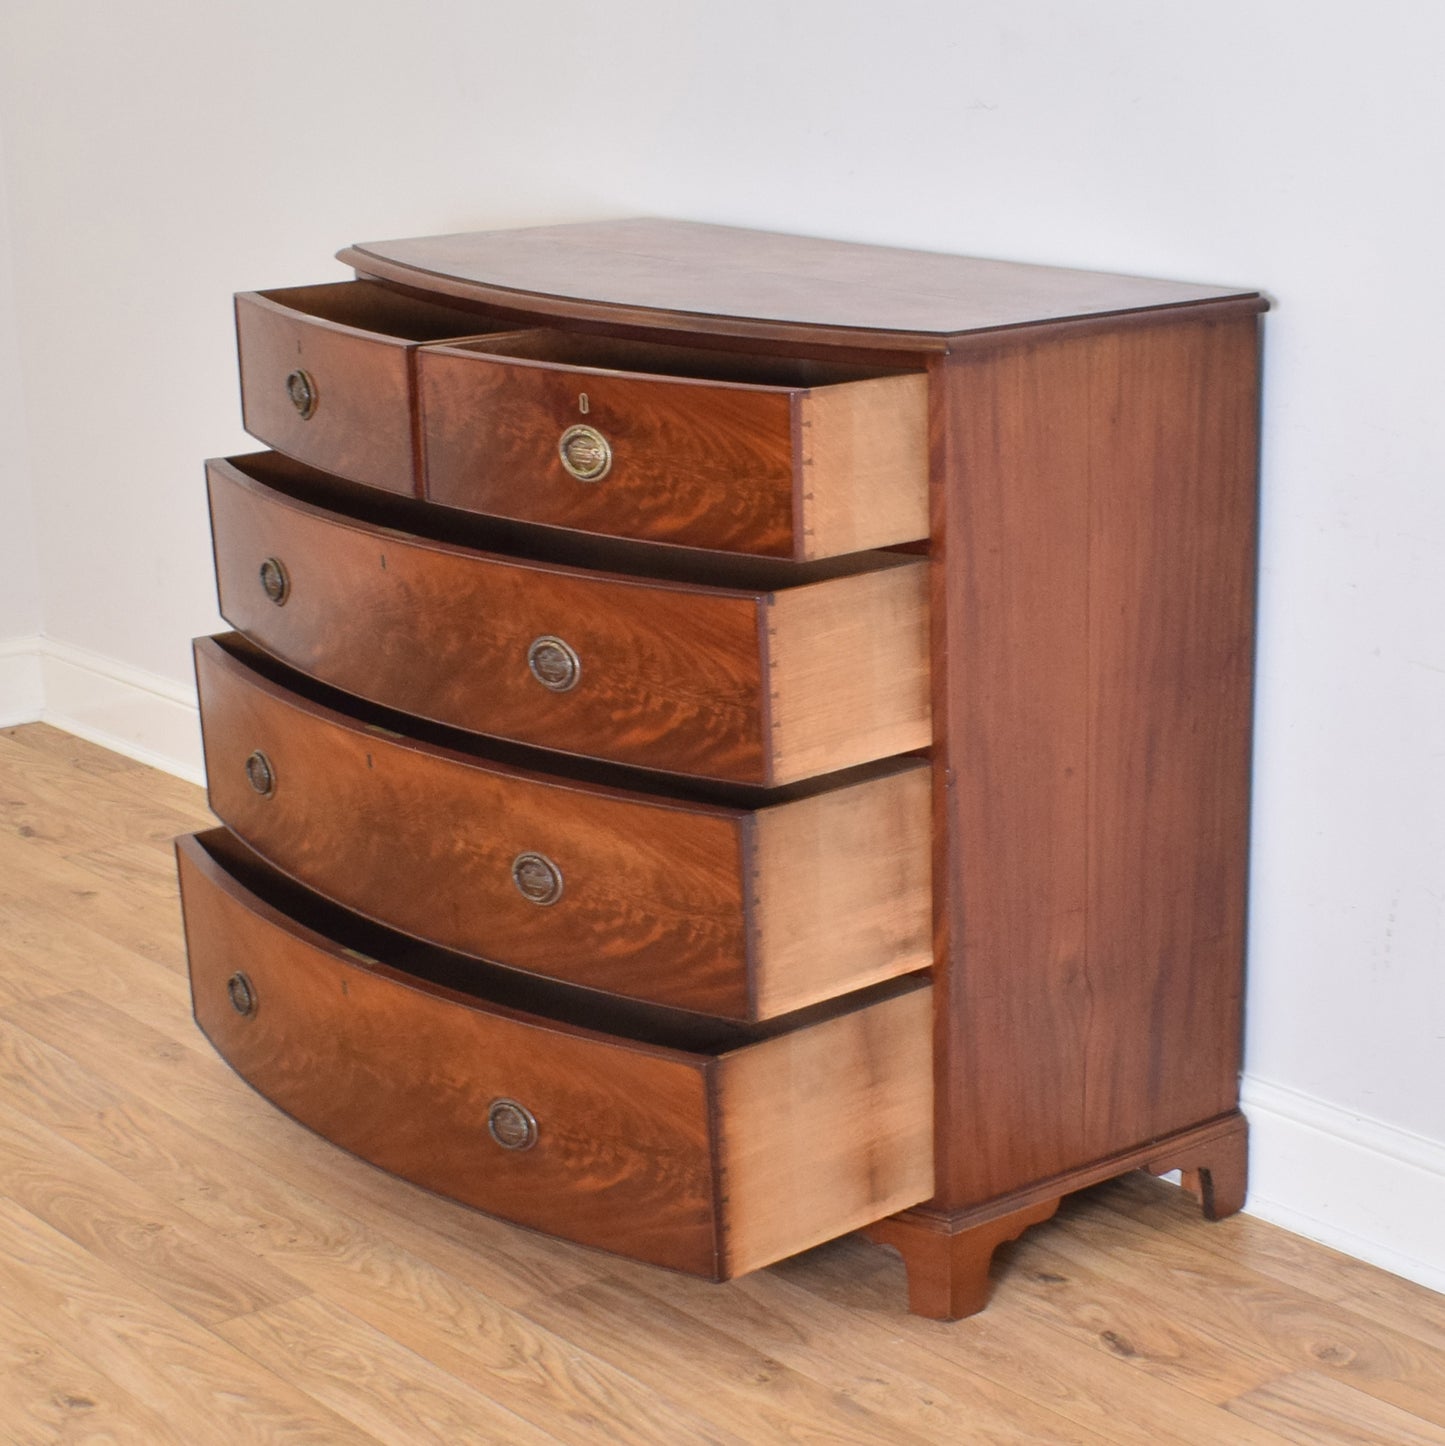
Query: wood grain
{"points": [[671, 675], [52, 1396], [404, 1073], [355, 341], [1011, 1379], [848, 671], [1171, 657], [756, 1396], [311, 1210], [441, 1319], [1257, 1316], [658, 900], [382, 1388], [1085, 681], [857, 856], [87, 942], [404, 1076], [862, 477], [1297, 1264], [177, 1367], [727, 281], [708, 449], [1040, 1381], [449, 1301], [135, 1232], [1099, 550], [86, 904], [1317, 1412], [1077, 1346], [114, 780], [824, 1129]]}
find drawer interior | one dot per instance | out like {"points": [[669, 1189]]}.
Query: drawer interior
{"points": [[588, 352], [365, 306]]}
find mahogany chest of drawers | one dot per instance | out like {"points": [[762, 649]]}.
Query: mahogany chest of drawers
{"points": [[732, 739]]}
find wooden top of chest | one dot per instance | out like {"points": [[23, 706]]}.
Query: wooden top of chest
{"points": [[725, 281]]}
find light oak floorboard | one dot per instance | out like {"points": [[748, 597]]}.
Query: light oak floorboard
{"points": [[365, 1376], [48, 1395], [420, 1304], [120, 776], [138, 1232], [181, 1262], [156, 1354], [739, 1386], [1317, 1412], [842, 1316], [1314, 1270], [1237, 1307]]}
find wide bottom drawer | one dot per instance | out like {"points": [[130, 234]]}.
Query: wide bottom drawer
{"points": [[706, 1147]]}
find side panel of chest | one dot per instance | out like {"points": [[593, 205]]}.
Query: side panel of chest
{"points": [[1094, 614]]}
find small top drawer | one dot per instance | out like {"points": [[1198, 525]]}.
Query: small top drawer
{"points": [[772, 456], [326, 374], [736, 669]]}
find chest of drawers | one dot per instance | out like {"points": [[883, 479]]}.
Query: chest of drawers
{"points": [[731, 740]]}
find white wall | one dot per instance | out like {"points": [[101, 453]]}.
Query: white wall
{"points": [[161, 155], [20, 687]]}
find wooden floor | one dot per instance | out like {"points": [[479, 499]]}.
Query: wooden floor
{"points": [[181, 1264]]}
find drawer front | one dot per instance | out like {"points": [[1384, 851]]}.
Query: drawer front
{"points": [[326, 375], [614, 1142], [799, 472], [708, 681], [738, 913], [407, 1076]]}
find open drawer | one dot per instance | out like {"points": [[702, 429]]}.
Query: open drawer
{"points": [[744, 669], [741, 903], [700, 1146], [776, 456], [326, 374]]}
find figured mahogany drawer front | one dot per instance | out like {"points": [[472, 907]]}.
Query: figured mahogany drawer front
{"points": [[714, 1159], [326, 374], [823, 667], [744, 913], [750, 454]]}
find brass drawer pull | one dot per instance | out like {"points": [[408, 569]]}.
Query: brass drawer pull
{"points": [[537, 878], [260, 774], [585, 453], [301, 388], [554, 664], [275, 582], [242, 994], [512, 1126]]}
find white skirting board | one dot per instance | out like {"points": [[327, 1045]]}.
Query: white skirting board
{"points": [[139, 714], [1361, 1186]]}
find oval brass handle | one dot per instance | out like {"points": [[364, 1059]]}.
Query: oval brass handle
{"points": [[275, 582], [537, 878], [301, 388], [585, 453], [513, 1126], [242, 994], [260, 774], [554, 664]]}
